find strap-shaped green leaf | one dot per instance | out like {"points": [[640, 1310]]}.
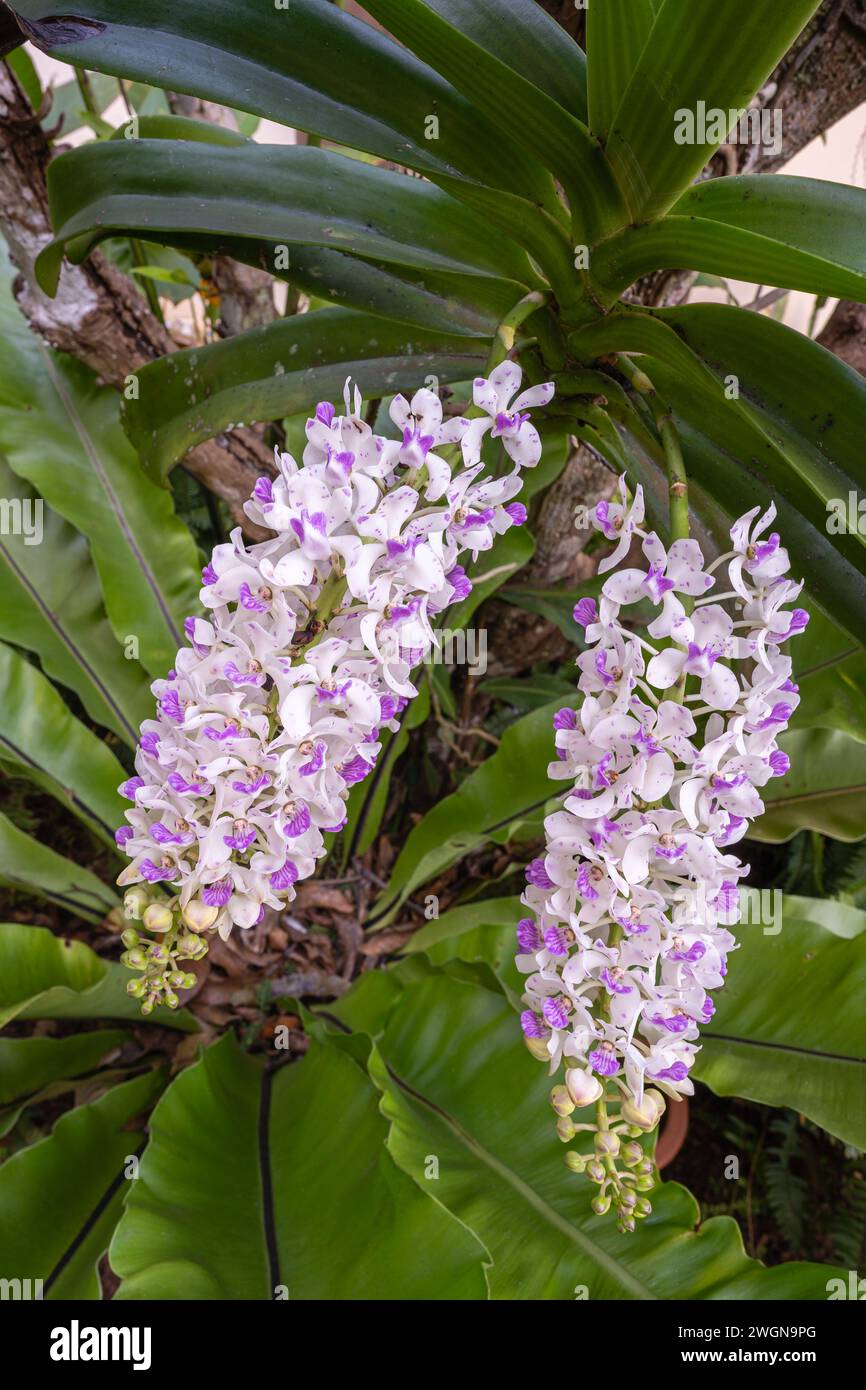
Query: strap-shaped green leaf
{"points": [[37, 1069], [60, 431], [752, 400], [46, 976], [60, 1199], [308, 66], [558, 141], [803, 234], [501, 1169], [41, 739], [788, 1030], [303, 1204], [824, 789], [281, 370], [703, 57], [527, 39], [51, 604], [270, 194], [616, 34], [34, 868]]}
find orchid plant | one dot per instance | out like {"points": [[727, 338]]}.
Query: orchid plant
{"points": [[634, 897], [472, 236]]}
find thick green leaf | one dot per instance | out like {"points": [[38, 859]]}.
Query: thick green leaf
{"points": [[716, 55], [47, 976], [830, 671], [824, 790], [263, 1185], [309, 66], [276, 195], [33, 1069], [803, 234], [527, 693], [616, 33], [501, 1170], [754, 394], [527, 39], [788, 1028], [281, 370], [34, 868], [60, 1199], [51, 604], [41, 738], [510, 787], [59, 430], [559, 141]]}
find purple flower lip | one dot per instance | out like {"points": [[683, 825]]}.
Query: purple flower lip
{"points": [[355, 770], [254, 784], [123, 835], [780, 763], [779, 714], [584, 884], [603, 1059], [283, 879], [528, 936], [536, 874], [555, 941], [532, 1025], [217, 894], [326, 693], [157, 873], [178, 783], [565, 719], [517, 512], [677, 1023], [298, 820], [656, 584], [171, 707], [695, 952], [264, 492], [163, 836], [407, 547], [585, 612], [510, 424], [612, 979], [325, 413], [209, 575], [555, 1013], [461, 586], [253, 676], [678, 1072], [148, 742], [220, 735], [255, 603], [315, 763], [240, 841], [129, 789]]}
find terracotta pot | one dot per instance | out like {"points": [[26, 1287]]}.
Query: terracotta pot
{"points": [[674, 1131]]}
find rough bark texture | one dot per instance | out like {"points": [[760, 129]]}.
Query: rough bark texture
{"points": [[246, 294], [845, 334], [98, 315]]}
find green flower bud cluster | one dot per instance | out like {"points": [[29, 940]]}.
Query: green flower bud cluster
{"points": [[618, 1164], [168, 936]]}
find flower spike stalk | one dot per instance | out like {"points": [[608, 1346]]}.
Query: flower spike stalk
{"points": [[629, 909], [276, 707]]}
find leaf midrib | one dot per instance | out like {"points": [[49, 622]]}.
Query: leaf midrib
{"points": [[552, 1217]]}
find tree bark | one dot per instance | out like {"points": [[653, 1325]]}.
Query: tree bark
{"points": [[98, 315]]}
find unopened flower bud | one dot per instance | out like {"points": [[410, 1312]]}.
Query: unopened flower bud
{"points": [[134, 959], [601, 1203], [171, 999], [538, 1048], [575, 1161], [645, 1183], [561, 1101], [595, 1170], [135, 900], [643, 1208], [607, 1143], [158, 917], [199, 916], [583, 1087], [627, 1199], [565, 1129], [130, 937], [137, 988], [644, 1116], [631, 1153]]}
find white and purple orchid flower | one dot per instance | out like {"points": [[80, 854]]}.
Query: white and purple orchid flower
{"points": [[630, 907], [275, 709]]}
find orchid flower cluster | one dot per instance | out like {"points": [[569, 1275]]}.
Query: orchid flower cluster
{"points": [[632, 902], [276, 707]]}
